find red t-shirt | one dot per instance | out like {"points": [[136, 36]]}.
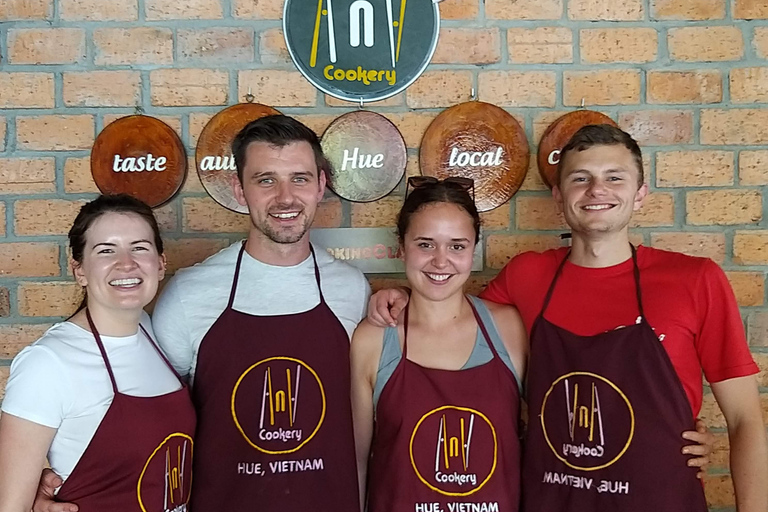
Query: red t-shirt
{"points": [[688, 301]]}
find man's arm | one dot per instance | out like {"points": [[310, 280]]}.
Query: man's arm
{"points": [[740, 402], [170, 325]]}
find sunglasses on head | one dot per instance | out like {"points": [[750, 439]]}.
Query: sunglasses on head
{"points": [[458, 182]]}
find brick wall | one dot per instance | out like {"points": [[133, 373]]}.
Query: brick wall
{"points": [[688, 78]]}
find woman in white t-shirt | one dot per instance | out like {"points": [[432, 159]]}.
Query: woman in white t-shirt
{"points": [[94, 394]]}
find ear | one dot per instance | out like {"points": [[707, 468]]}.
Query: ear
{"points": [[321, 179], [237, 190], [557, 195], [640, 196], [77, 271], [163, 266]]}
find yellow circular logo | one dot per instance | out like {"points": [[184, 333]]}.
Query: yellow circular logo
{"points": [[453, 450], [166, 480], [278, 405], [588, 422]]}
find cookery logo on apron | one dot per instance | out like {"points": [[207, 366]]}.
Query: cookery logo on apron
{"points": [[286, 413], [578, 426], [170, 465], [464, 458]]}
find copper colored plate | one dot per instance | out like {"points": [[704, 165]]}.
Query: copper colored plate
{"points": [[557, 136], [215, 163], [487, 136], [141, 156], [367, 155]]}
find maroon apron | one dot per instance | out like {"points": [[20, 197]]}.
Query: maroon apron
{"points": [[445, 438], [275, 419], [140, 458], [607, 412]]}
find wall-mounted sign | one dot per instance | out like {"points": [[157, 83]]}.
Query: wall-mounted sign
{"points": [[214, 159], [140, 156], [557, 136], [480, 141], [367, 155], [361, 50], [372, 250]]}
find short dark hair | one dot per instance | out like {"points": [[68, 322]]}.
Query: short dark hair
{"points": [[276, 130], [440, 192], [601, 135]]}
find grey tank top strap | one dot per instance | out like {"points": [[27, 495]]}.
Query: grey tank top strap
{"points": [[481, 353]]}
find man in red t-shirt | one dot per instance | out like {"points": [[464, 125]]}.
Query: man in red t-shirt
{"points": [[596, 313]]}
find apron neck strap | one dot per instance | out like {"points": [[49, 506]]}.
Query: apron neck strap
{"points": [[636, 273], [97, 337], [317, 274], [160, 352]]}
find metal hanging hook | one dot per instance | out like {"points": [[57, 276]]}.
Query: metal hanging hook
{"points": [[362, 103], [139, 110], [249, 97], [582, 103], [472, 94]]}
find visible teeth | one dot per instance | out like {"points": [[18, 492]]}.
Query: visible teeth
{"points": [[292, 215], [438, 277], [598, 206], [125, 282]]}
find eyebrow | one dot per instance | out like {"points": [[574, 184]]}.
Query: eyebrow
{"points": [[110, 244], [432, 239]]}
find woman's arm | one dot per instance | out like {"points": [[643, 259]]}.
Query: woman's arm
{"points": [[23, 448], [365, 353]]}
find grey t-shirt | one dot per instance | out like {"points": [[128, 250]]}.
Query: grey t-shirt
{"points": [[195, 297]]}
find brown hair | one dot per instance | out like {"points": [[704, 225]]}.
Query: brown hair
{"points": [[601, 135], [438, 192]]}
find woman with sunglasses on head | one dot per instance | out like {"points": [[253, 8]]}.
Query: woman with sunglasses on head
{"points": [[94, 394], [436, 400]]}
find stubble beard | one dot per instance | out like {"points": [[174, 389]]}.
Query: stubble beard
{"points": [[282, 237]]}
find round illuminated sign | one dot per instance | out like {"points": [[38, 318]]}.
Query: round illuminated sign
{"points": [[361, 50]]}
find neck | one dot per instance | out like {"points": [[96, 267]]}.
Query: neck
{"points": [[436, 315], [115, 323], [270, 252], [600, 251]]}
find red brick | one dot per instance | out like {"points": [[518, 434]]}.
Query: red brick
{"points": [[749, 85], [44, 216], [3, 131], [139, 45], [499, 249], [723, 207], [605, 87], [328, 215], [277, 88], [46, 46], [203, 214], [753, 167], [215, 45], [685, 86], [102, 89], [272, 47], [443, 88], [608, 45], [197, 121], [29, 259], [190, 9], [381, 213], [26, 9], [749, 287], [518, 88], [757, 328], [694, 168], [750, 248], [258, 9], [188, 251], [458, 9], [707, 245], [27, 175], [55, 132], [15, 337], [498, 218], [26, 90], [49, 299], [166, 217], [318, 123], [78, 177], [541, 45], [719, 458], [762, 362], [5, 372], [705, 44], [627, 10], [99, 10], [538, 212], [750, 9], [760, 42], [524, 9], [468, 46], [658, 127], [719, 491], [658, 210], [687, 9], [188, 87], [5, 301], [734, 126], [2, 219], [412, 125]]}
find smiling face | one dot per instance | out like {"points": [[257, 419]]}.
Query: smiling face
{"points": [[120, 266], [599, 189], [281, 187], [437, 250]]}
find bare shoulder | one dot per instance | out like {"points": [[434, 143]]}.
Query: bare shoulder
{"points": [[365, 351], [512, 331]]}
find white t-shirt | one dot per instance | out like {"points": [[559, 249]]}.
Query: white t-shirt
{"points": [[60, 381], [196, 296]]}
